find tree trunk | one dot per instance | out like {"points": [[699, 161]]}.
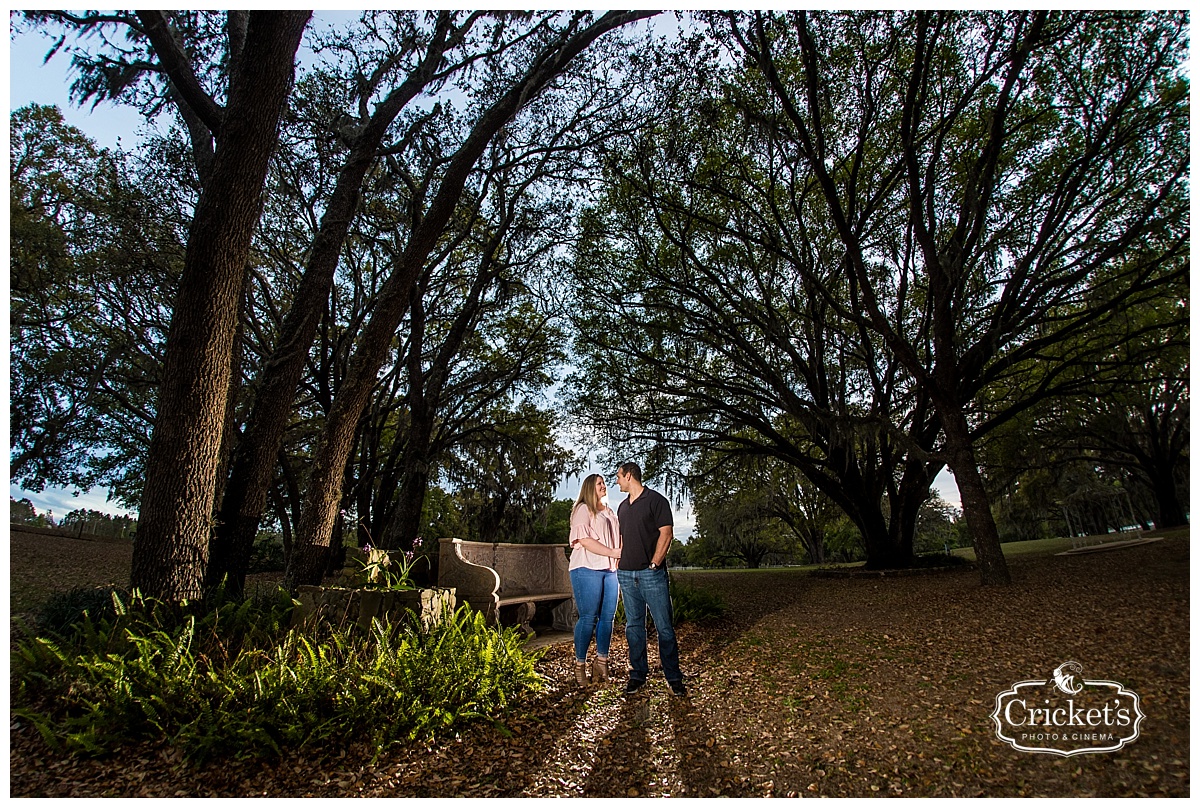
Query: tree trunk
{"points": [[254, 462], [326, 471], [910, 495], [993, 569], [171, 550], [285, 527], [883, 553], [888, 546], [1166, 499], [406, 524], [414, 476], [814, 542], [229, 434]]}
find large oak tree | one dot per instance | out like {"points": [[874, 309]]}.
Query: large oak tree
{"points": [[229, 89], [1039, 164]]}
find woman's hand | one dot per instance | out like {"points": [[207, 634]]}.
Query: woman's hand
{"points": [[614, 553]]}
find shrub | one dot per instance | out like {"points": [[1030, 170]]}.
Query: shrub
{"points": [[63, 611], [693, 604], [267, 554], [933, 560], [235, 679]]}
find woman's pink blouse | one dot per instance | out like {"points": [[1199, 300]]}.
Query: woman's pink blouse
{"points": [[603, 527]]}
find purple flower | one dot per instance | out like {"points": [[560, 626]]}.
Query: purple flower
{"points": [[417, 541], [367, 548]]}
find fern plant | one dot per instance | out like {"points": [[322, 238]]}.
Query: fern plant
{"points": [[235, 678]]}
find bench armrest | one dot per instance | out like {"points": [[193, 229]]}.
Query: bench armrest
{"points": [[562, 572], [474, 583]]}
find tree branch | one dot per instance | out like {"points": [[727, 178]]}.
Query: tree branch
{"points": [[179, 70]]}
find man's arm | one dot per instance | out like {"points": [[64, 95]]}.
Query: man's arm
{"points": [[666, 534]]}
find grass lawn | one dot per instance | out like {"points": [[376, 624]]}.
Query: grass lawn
{"points": [[1010, 550], [1058, 545]]}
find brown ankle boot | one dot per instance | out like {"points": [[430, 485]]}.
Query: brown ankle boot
{"points": [[599, 670], [581, 674]]}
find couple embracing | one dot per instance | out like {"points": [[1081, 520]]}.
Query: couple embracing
{"points": [[625, 551]]}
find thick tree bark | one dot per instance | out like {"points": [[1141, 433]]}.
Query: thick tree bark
{"points": [[336, 441], [1167, 438], [883, 549], [254, 463], [171, 548], [1170, 511], [985, 538], [229, 436]]}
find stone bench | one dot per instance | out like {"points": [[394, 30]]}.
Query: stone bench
{"points": [[510, 583]]}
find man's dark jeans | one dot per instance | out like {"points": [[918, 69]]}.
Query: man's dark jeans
{"points": [[642, 590]]}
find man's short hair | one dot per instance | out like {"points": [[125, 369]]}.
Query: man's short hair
{"points": [[633, 470]]}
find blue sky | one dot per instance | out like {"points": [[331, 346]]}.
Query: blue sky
{"points": [[31, 81]]}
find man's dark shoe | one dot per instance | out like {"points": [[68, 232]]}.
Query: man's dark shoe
{"points": [[634, 685], [677, 688]]}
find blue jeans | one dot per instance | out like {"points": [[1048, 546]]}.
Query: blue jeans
{"points": [[642, 590], [596, 600]]}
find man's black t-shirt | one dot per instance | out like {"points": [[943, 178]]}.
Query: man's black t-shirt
{"points": [[640, 521]]}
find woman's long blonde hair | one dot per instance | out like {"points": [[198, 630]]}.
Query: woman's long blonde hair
{"points": [[588, 495]]}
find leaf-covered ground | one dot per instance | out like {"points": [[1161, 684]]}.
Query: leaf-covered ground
{"points": [[809, 687]]}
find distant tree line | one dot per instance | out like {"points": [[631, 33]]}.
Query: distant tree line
{"points": [[81, 521]]}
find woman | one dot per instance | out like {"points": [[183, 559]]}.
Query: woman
{"points": [[595, 548]]}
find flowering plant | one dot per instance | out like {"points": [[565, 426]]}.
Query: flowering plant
{"points": [[385, 571]]}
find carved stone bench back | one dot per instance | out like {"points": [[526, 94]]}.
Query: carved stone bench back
{"points": [[524, 569]]}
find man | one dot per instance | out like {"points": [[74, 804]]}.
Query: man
{"points": [[647, 529]]}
